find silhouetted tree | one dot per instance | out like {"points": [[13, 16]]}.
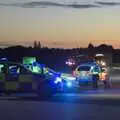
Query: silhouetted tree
{"points": [[90, 45], [35, 44], [39, 45], [104, 48]]}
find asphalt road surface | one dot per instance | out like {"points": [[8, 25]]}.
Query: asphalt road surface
{"points": [[100, 105], [85, 105]]}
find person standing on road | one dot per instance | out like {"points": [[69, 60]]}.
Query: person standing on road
{"points": [[95, 76], [106, 79]]}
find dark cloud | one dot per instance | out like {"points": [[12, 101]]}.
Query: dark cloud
{"points": [[56, 4], [4, 4], [45, 3], [82, 6], [42, 3], [53, 4], [108, 3]]}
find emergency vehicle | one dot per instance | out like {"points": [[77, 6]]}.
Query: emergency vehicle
{"points": [[87, 72], [32, 64], [92, 72], [16, 77], [66, 80]]}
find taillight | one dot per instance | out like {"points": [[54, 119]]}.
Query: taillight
{"points": [[74, 73], [88, 73]]}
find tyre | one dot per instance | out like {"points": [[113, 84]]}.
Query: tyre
{"points": [[45, 90], [8, 92], [95, 79]]}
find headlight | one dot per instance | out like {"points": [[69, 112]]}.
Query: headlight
{"points": [[71, 78], [68, 77], [69, 84], [58, 80]]}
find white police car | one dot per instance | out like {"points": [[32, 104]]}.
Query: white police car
{"points": [[88, 72]]}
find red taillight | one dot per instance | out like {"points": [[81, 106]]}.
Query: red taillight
{"points": [[74, 73], [89, 73]]}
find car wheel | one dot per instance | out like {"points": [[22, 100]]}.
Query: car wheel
{"points": [[8, 92], [45, 91]]}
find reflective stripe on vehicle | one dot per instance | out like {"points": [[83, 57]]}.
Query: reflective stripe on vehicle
{"points": [[24, 83], [2, 77], [11, 85], [25, 78]]}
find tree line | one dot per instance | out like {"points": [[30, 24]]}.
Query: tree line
{"points": [[55, 57]]}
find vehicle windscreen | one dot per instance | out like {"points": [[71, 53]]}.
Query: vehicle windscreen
{"points": [[84, 68]]}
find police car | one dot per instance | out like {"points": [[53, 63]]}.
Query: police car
{"points": [[88, 72], [69, 80], [63, 79], [16, 77]]}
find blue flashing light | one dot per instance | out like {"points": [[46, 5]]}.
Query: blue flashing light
{"points": [[58, 80], [69, 84], [3, 59], [71, 78], [55, 82], [51, 73]]}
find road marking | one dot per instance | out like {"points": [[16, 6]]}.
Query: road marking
{"points": [[8, 98], [92, 94]]}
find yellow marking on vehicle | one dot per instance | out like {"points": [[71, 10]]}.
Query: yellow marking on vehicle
{"points": [[11, 85], [25, 78], [2, 77]]}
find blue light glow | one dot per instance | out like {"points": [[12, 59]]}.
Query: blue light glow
{"points": [[71, 78], [3, 59], [69, 84], [58, 80]]}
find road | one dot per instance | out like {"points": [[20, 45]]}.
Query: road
{"points": [[86, 105]]}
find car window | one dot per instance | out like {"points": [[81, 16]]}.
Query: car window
{"points": [[2, 68], [83, 68], [13, 69], [23, 70], [96, 69]]}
